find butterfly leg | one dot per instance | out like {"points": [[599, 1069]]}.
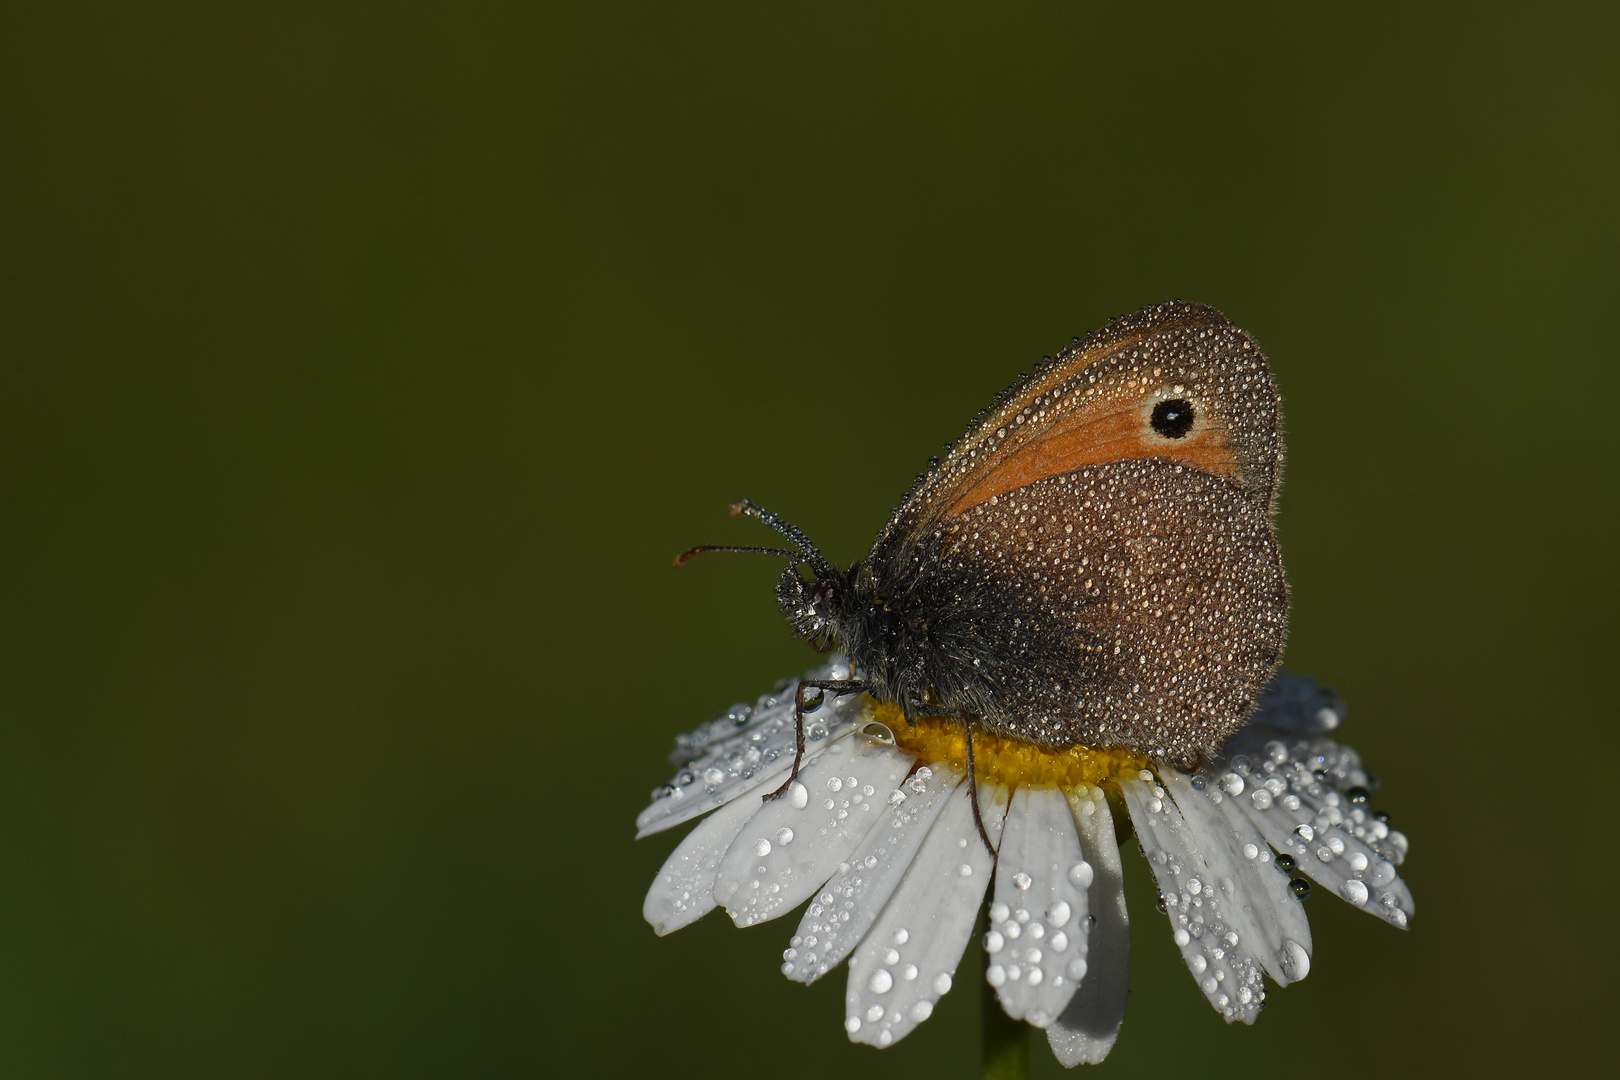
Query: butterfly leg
{"points": [[923, 709], [973, 794], [840, 687]]}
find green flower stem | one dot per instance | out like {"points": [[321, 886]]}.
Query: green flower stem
{"points": [[1004, 1042]]}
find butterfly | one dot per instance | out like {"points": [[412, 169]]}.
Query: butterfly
{"points": [[1093, 563]]}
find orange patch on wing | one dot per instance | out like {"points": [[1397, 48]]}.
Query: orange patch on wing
{"points": [[1105, 430]]}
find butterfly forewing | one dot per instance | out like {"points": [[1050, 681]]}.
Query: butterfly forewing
{"points": [[1093, 403], [1095, 560]]}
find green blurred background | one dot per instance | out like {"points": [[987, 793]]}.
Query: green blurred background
{"points": [[364, 365]]}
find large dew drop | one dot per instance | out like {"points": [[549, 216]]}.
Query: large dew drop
{"points": [[1295, 961]]}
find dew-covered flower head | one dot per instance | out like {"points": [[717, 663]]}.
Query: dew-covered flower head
{"points": [[878, 834]]}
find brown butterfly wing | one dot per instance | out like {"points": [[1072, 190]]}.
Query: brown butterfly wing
{"points": [[1096, 556], [1086, 405]]}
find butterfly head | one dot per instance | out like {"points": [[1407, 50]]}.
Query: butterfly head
{"points": [[811, 606]]}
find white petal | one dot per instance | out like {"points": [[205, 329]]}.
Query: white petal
{"points": [[759, 752], [742, 718], [849, 904], [1086, 1030], [1258, 903], [1331, 839], [1226, 971], [927, 922], [683, 891], [847, 789], [1295, 703], [1040, 878]]}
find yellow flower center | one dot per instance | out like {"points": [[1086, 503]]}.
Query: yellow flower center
{"points": [[1002, 760]]}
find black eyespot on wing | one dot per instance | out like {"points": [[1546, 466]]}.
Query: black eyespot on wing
{"points": [[1173, 418]]}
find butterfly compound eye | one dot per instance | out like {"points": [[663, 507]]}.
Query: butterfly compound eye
{"points": [[1173, 418]]}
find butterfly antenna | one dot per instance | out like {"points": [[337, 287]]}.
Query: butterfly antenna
{"points": [[691, 553], [812, 555]]}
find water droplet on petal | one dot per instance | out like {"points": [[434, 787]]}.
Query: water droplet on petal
{"points": [[881, 982], [942, 983], [1081, 874], [798, 796], [1295, 961], [784, 836]]}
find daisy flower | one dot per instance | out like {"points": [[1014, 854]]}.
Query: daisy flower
{"points": [[878, 835]]}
